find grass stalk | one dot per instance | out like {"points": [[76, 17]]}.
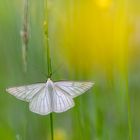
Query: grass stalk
{"points": [[25, 34], [51, 124], [49, 76], [49, 66], [129, 115]]}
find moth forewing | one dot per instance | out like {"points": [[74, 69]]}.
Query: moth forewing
{"points": [[48, 97], [74, 89]]}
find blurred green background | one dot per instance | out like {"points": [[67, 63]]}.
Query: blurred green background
{"points": [[95, 40]]}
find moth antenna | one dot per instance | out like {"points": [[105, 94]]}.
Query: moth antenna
{"points": [[40, 71], [57, 69]]}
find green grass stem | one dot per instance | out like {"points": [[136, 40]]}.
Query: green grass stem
{"points": [[49, 67]]}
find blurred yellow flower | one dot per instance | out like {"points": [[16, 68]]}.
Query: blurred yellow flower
{"points": [[104, 3], [60, 134]]}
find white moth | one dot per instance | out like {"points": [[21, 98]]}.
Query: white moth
{"points": [[48, 97]]}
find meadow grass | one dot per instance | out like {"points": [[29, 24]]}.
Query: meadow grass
{"points": [[92, 41]]}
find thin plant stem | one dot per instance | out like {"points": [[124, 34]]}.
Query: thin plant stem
{"points": [[25, 34], [51, 122], [49, 76], [48, 59], [129, 115]]}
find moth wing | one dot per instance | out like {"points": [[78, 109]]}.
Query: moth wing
{"points": [[72, 88], [41, 103], [25, 93], [61, 100]]}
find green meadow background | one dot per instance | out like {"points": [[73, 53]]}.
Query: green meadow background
{"points": [[93, 40]]}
